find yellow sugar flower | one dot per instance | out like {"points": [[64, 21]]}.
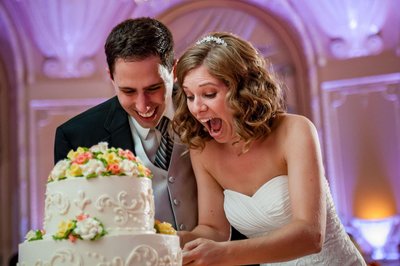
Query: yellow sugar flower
{"points": [[112, 158], [72, 155], [164, 228], [74, 170], [64, 228], [141, 168]]}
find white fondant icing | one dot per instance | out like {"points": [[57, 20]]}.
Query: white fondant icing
{"points": [[124, 250], [82, 201], [124, 205]]}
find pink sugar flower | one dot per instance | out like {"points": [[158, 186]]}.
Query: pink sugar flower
{"points": [[72, 238], [130, 155], [127, 154], [147, 172], [82, 217], [88, 155], [81, 159], [114, 168]]}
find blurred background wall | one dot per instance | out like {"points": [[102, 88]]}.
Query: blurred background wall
{"points": [[340, 60]]}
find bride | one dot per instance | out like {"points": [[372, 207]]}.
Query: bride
{"points": [[257, 167]]}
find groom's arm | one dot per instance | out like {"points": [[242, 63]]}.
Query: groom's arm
{"points": [[61, 145]]}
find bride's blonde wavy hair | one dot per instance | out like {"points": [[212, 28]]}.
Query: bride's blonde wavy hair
{"points": [[254, 95]]}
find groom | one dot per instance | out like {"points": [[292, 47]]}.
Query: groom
{"points": [[140, 62]]}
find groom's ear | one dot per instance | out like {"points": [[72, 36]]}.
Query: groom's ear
{"points": [[110, 74], [174, 69]]}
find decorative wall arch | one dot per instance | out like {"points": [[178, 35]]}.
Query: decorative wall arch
{"points": [[12, 118], [286, 26]]}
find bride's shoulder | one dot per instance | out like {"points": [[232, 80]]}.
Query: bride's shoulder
{"points": [[206, 152], [293, 124], [294, 120]]}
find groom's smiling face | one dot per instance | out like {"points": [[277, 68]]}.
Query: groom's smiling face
{"points": [[142, 88]]}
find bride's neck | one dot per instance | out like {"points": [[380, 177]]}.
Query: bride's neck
{"points": [[236, 147]]}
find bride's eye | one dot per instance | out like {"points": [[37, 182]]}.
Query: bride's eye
{"points": [[211, 95]]}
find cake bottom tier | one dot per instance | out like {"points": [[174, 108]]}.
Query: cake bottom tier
{"points": [[123, 250]]}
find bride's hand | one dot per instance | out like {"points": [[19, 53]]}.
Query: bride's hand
{"points": [[203, 252]]}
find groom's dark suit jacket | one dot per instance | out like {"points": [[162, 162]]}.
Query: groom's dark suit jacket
{"points": [[109, 122]]}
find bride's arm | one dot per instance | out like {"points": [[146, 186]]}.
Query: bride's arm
{"points": [[305, 233], [212, 222]]}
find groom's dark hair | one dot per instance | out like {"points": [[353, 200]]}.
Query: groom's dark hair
{"points": [[137, 39]]}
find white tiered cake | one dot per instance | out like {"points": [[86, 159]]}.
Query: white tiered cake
{"points": [[99, 210]]}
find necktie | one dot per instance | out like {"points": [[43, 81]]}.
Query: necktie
{"points": [[164, 151]]}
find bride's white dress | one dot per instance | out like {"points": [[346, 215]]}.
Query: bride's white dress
{"points": [[269, 209]]}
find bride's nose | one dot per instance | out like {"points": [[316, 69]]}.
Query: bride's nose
{"points": [[199, 106]]}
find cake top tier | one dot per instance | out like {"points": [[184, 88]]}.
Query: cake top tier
{"points": [[99, 160]]}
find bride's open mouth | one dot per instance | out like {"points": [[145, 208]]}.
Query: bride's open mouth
{"points": [[213, 125]]}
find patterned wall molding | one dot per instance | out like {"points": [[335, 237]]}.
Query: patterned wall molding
{"points": [[45, 116], [362, 137]]}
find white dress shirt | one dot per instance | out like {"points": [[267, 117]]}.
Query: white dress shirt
{"points": [[149, 137]]}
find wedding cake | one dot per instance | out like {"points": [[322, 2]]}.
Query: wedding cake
{"points": [[99, 210]]}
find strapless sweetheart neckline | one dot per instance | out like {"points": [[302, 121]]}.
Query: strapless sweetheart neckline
{"points": [[261, 188]]}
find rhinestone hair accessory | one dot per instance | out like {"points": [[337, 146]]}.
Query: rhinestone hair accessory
{"points": [[210, 38]]}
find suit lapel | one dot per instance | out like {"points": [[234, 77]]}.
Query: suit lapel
{"points": [[117, 124]]}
